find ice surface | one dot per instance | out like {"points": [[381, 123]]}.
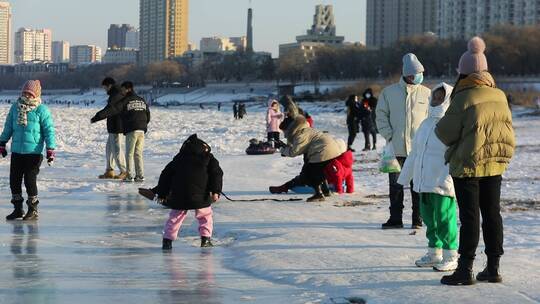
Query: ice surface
{"points": [[99, 242]]}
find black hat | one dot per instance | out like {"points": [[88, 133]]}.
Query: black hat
{"points": [[108, 81]]}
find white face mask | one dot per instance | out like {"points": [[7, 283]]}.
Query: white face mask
{"points": [[368, 95]]}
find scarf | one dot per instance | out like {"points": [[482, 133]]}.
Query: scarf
{"points": [[25, 105]]}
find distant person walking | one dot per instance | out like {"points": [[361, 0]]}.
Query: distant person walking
{"points": [[401, 109], [477, 128], [29, 124], [114, 154], [353, 113], [367, 115], [242, 110], [235, 110]]}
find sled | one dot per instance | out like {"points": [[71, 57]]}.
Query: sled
{"points": [[260, 148], [309, 190]]}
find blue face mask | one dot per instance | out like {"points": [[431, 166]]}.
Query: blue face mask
{"points": [[418, 78]]}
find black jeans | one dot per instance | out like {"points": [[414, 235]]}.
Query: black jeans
{"points": [[397, 195], [373, 134], [353, 129], [24, 166], [273, 136], [475, 196], [313, 174]]}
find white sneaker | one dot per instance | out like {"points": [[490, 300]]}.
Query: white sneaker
{"points": [[449, 261], [431, 258]]}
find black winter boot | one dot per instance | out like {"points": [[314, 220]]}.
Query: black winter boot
{"points": [[18, 211], [325, 189], [463, 274], [32, 213], [491, 272], [206, 242], [279, 189], [317, 197], [167, 244], [392, 224]]}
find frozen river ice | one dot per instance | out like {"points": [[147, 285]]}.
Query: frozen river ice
{"points": [[99, 242]]}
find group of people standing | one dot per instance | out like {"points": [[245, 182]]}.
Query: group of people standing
{"points": [[362, 113], [127, 117], [239, 110], [454, 143]]}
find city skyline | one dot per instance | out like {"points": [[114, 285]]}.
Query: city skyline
{"points": [[275, 22]]}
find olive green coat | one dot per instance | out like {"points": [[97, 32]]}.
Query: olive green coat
{"points": [[477, 128]]}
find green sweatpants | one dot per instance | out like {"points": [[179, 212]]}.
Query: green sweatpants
{"points": [[439, 215]]}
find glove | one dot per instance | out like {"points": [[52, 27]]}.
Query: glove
{"points": [[50, 156], [93, 120], [279, 144], [3, 150]]}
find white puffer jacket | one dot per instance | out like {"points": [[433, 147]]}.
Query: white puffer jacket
{"points": [[425, 164]]}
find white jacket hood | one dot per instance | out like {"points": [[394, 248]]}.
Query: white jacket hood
{"points": [[438, 111]]}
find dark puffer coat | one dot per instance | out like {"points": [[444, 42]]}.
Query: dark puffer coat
{"points": [[114, 123], [189, 179]]}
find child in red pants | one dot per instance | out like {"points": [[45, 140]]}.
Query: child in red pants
{"points": [[340, 170], [193, 180]]}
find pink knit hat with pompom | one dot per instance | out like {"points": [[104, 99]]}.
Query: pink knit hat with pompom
{"points": [[473, 60], [33, 87]]}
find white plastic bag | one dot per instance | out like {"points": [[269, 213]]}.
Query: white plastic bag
{"points": [[388, 162]]}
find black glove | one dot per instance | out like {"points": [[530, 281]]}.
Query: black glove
{"points": [[279, 144], [93, 120], [3, 150]]}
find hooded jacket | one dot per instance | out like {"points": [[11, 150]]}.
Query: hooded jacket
{"points": [[318, 146], [190, 177], [273, 118], [401, 109], [426, 165], [132, 110], [477, 128], [114, 122], [340, 170], [32, 138]]}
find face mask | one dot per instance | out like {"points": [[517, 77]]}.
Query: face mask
{"points": [[368, 95], [418, 78]]}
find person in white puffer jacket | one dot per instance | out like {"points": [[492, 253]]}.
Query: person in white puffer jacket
{"points": [[431, 179]]}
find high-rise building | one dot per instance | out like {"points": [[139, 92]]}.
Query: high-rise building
{"points": [[5, 33], [249, 46], [84, 54], [163, 29], [322, 33], [132, 39], [117, 35], [33, 45], [466, 18], [60, 51], [388, 21]]}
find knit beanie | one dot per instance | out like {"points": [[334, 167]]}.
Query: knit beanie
{"points": [[473, 60], [411, 65], [33, 87]]}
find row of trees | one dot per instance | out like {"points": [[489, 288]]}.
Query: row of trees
{"points": [[510, 51]]}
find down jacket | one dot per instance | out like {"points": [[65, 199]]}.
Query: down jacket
{"points": [[190, 177], [425, 164], [477, 128], [30, 139], [340, 170], [401, 109], [318, 146], [273, 118], [132, 110]]}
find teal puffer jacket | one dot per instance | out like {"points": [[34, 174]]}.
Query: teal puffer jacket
{"points": [[29, 139]]}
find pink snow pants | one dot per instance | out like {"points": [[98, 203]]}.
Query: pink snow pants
{"points": [[177, 217]]}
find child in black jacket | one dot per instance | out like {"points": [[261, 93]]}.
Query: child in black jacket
{"points": [[193, 180]]}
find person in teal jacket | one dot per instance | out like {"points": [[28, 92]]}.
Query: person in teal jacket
{"points": [[30, 126]]}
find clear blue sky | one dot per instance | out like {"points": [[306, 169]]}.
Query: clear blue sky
{"points": [[275, 21]]}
